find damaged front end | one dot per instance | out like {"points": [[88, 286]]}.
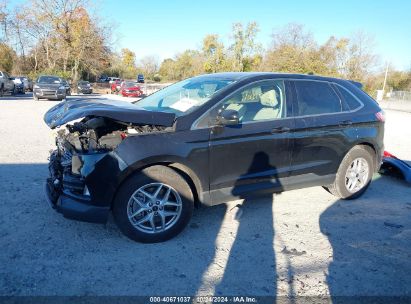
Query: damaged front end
{"points": [[80, 148]]}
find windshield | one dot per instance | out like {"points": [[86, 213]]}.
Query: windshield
{"points": [[48, 79], [184, 96], [83, 82]]}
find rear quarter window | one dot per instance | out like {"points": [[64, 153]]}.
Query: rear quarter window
{"points": [[316, 97], [348, 98]]}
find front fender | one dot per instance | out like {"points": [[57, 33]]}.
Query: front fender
{"points": [[140, 151]]}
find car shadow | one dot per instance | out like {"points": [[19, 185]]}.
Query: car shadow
{"points": [[370, 238], [253, 248], [39, 244], [371, 241], [26, 96]]}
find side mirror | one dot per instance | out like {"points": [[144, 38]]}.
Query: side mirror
{"points": [[227, 118]]}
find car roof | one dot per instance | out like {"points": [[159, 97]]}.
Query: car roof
{"points": [[250, 75], [50, 76]]}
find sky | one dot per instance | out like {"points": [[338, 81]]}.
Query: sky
{"points": [[166, 27]]}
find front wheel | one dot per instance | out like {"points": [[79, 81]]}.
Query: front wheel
{"points": [[354, 174], [35, 97], [1, 91], [154, 205]]}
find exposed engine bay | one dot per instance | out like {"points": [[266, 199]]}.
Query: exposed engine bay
{"points": [[99, 134], [81, 145]]}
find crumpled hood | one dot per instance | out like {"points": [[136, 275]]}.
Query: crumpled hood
{"points": [[73, 109]]}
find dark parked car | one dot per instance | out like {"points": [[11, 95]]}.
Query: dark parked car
{"points": [[103, 78], [140, 78], [84, 87], [18, 85], [208, 140], [50, 87]]}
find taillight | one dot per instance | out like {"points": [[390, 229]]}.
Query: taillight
{"points": [[123, 135], [388, 154], [380, 116]]}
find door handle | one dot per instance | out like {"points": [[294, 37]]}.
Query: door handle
{"points": [[346, 123], [280, 130]]}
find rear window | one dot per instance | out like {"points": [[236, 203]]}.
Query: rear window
{"points": [[316, 97], [130, 84], [348, 98]]}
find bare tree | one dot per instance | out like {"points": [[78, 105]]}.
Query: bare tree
{"points": [[149, 65]]}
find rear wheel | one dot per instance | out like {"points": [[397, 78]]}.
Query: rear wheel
{"points": [[354, 174], [154, 205]]}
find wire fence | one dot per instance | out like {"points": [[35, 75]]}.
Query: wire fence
{"points": [[400, 95]]}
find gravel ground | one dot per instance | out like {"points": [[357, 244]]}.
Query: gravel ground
{"points": [[302, 242]]}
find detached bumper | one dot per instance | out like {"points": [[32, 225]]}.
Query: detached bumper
{"points": [[73, 206], [391, 162]]}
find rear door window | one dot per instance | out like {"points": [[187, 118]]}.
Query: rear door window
{"points": [[316, 97]]}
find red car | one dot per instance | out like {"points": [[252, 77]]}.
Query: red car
{"points": [[116, 86], [130, 89]]}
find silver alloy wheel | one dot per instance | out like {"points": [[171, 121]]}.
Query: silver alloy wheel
{"points": [[357, 175], [154, 208]]}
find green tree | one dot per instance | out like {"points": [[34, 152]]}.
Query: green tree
{"points": [[128, 64], [399, 80], [7, 56], [294, 50], [214, 53], [188, 64], [168, 70], [244, 48]]}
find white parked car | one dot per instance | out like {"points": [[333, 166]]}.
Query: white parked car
{"points": [[6, 84]]}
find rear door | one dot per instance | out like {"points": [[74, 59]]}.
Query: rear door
{"points": [[323, 131]]}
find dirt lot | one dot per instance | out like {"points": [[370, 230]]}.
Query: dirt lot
{"points": [[302, 242]]}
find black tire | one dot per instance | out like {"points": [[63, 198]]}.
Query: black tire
{"points": [[13, 92], [2, 91], [154, 174], [339, 188]]}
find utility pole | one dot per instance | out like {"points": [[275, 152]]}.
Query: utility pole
{"points": [[385, 78]]}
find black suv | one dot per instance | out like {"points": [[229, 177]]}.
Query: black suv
{"points": [[208, 140]]}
